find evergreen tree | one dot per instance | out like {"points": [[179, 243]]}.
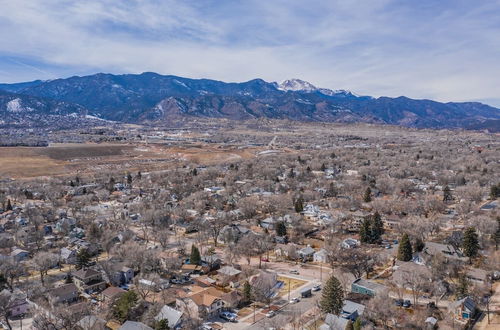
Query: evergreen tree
{"points": [[247, 291], [9, 205], [122, 306], [82, 259], [195, 257], [367, 198], [470, 244], [447, 194], [129, 179], [323, 167], [281, 229], [405, 251], [299, 205], [71, 183], [195, 172], [365, 231], [161, 325], [139, 175], [495, 191], [357, 324], [291, 174], [332, 299], [377, 227]]}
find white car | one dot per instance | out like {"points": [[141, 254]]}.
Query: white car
{"points": [[270, 314], [294, 300], [316, 287], [294, 271]]}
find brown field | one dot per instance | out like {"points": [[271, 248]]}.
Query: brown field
{"points": [[69, 159]]}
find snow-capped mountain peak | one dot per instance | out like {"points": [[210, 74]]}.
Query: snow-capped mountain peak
{"points": [[296, 85]]}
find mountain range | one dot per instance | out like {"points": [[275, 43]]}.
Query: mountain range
{"points": [[153, 98]]}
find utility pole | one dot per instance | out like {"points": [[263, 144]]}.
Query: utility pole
{"points": [[320, 271], [289, 289], [254, 312]]}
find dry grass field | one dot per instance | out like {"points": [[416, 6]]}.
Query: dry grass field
{"points": [[68, 159]]}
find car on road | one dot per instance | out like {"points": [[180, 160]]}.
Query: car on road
{"points": [[407, 304], [294, 300], [228, 316], [294, 271], [270, 314], [316, 287], [399, 302]]}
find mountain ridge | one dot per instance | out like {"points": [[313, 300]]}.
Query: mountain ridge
{"points": [[153, 98]]}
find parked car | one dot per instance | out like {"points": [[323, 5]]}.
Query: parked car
{"points": [[294, 271], [264, 259], [294, 300], [228, 316], [316, 287], [270, 314], [407, 304], [399, 302]]}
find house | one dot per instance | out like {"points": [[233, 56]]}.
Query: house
{"points": [[349, 243], [405, 271], [306, 253], [212, 261], [17, 305], [88, 280], [268, 223], [228, 274], [367, 287], [19, 254], [111, 294], [202, 303], [464, 309], [321, 256], [450, 252], [66, 294], [350, 312], [121, 275], [232, 233], [173, 316], [477, 275], [132, 325], [68, 256]]}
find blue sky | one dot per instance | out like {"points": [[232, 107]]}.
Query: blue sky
{"points": [[440, 49]]}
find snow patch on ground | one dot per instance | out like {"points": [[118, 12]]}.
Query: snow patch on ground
{"points": [[14, 106]]}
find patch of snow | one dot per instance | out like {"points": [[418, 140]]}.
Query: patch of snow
{"points": [[181, 83], [14, 105]]}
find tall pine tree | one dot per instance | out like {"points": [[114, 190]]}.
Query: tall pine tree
{"points": [[365, 231], [281, 229], [332, 299], [405, 251], [470, 244], [368, 195], [195, 257], [377, 227]]}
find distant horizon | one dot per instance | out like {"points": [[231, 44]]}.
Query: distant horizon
{"points": [[492, 104]]}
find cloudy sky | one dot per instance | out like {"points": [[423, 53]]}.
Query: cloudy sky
{"points": [[444, 50]]}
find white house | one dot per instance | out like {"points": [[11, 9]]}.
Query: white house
{"points": [[321, 256]]}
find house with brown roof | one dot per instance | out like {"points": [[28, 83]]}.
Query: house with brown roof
{"points": [[201, 303], [111, 294]]}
